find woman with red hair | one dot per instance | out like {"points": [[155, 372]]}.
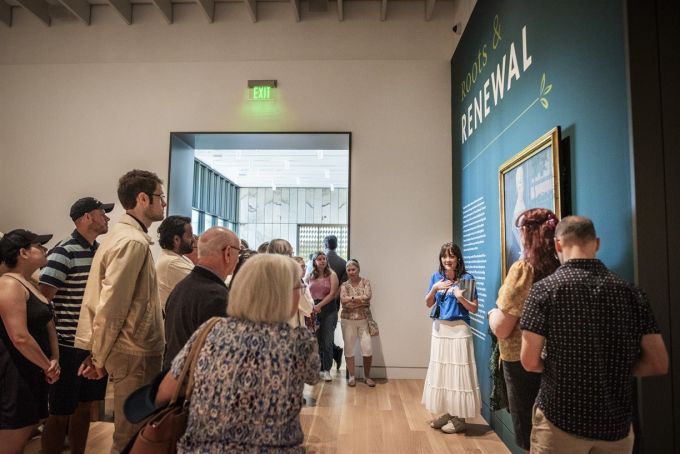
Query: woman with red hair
{"points": [[537, 233]]}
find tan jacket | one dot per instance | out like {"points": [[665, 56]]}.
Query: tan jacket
{"points": [[170, 269], [121, 310]]}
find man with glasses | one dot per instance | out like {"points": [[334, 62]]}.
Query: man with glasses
{"points": [[63, 281], [120, 321], [203, 293]]}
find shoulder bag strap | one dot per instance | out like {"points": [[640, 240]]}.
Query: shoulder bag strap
{"points": [[190, 362]]}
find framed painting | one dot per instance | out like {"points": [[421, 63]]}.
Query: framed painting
{"points": [[530, 179]]}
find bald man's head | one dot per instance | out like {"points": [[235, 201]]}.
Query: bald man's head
{"points": [[218, 250], [215, 240]]}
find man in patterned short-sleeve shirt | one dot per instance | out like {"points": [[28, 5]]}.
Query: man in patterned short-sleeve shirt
{"points": [[589, 332], [63, 281]]}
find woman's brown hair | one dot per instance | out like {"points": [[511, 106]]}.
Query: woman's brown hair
{"points": [[315, 270], [537, 228], [452, 250]]}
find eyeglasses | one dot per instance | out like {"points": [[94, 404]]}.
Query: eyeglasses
{"points": [[232, 247], [160, 196]]}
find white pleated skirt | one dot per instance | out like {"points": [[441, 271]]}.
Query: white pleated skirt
{"points": [[451, 384]]}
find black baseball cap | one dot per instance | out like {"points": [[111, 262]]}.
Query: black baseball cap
{"points": [[17, 239], [87, 204]]}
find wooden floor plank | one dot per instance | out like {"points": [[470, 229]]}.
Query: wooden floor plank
{"points": [[361, 420]]}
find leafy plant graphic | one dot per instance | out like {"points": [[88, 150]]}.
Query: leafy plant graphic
{"points": [[544, 91]]}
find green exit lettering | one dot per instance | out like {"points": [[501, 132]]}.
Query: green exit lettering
{"points": [[262, 92]]}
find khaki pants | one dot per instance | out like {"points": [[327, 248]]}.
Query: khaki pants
{"points": [[546, 438], [128, 373]]}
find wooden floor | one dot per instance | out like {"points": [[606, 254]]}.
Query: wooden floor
{"points": [[386, 419]]}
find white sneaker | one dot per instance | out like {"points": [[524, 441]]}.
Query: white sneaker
{"points": [[326, 375]]}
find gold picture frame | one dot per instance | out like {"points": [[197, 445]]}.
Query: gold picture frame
{"points": [[530, 179]]}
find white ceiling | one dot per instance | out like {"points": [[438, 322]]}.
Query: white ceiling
{"points": [[55, 11], [280, 168]]}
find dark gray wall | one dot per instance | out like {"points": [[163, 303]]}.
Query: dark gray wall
{"points": [[655, 99], [181, 179]]}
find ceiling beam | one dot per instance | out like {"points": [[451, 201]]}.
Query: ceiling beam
{"points": [[251, 6], [38, 8], [429, 9], [5, 14], [317, 6], [79, 8], [341, 10], [165, 6], [208, 8], [124, 8], [296, 9], [383, 10]]}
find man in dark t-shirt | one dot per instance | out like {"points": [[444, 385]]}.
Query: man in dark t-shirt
{"points": [[589, 332], [338, 265]]}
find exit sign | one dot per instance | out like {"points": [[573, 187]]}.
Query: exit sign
{"points": [[261, 93], [261, 89]]}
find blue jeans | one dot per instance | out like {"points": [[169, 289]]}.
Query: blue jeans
{"points": [[328, 318]]}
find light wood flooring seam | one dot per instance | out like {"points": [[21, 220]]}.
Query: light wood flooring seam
{"points": [[361, 420]]}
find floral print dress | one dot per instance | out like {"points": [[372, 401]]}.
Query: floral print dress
{"points": [[248, 388]]}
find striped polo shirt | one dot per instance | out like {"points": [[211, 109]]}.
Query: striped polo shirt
{"points": [[67, 269]]}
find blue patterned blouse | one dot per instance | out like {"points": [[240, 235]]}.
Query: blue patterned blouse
{"points": [[248, 388]]}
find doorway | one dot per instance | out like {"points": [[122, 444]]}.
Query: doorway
{"points": [[294, 186]]}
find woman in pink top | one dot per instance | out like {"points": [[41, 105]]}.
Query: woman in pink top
{"points": [[323, 285]]}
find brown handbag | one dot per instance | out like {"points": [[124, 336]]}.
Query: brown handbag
{"points": [[160, 433], [373, 329]]}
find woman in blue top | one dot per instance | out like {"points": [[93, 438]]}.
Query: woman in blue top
{"points": [[451, 387]]}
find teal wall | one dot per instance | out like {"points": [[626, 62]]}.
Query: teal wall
{"points": [[579, 47]]}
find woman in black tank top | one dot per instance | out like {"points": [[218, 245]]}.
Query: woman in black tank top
{"points": [[29, 356]]}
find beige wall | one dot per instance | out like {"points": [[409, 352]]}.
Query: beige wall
{"points": [[80, 105]]}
